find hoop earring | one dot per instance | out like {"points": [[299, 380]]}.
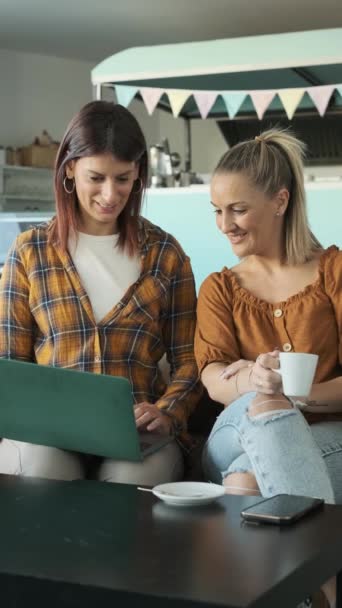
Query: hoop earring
{"points": [[71, 179], [140, 188]]}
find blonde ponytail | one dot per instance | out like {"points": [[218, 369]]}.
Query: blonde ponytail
{"points": [[271, 161]]}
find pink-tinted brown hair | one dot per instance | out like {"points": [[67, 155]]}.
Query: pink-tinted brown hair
{"points": [[101, 127]]}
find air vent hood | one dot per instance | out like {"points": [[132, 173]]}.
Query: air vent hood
{"points": [[323, 135]]}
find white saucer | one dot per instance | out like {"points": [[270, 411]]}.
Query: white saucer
{"points": [[188, 493]]}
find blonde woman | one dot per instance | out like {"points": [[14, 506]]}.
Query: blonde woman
{"points": [[284, 294]]}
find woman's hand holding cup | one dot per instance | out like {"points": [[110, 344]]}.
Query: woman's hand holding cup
{"points": [[275, 372], [259, 375], [262, 377]]}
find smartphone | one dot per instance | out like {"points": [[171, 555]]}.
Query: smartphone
{"points": [[281, 509]]}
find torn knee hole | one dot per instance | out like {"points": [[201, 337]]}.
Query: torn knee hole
{"points": [[241, 483], [268, 406]]}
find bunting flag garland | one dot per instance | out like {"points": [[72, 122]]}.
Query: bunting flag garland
{"points": [[124, 95], [205, 101], [151, 97], [261, 101], [290, 98], [321, 96], [177, 99], [233, 100]]}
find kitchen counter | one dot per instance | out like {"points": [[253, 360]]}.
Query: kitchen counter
{"points": [[187, 214]]}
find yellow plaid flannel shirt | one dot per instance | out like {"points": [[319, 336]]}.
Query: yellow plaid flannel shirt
{"points": [[46, 317]]}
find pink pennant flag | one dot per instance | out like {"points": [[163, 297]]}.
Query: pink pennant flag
{"points": [[205, 101], [151, 97], [261, 101], [321, 96]]}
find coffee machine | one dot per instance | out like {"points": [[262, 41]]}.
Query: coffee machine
{"points": [[164, 165]]}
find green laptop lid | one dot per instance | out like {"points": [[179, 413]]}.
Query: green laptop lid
{"points": [[68, 409]]}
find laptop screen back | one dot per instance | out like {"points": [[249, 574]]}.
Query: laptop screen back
{"points": [[68, 409]]}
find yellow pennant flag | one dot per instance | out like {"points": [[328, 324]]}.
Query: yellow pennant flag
{"points": [[290, 98], [177, 99]]}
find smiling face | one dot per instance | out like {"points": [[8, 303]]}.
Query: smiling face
{"points": [[103, 184], [251, 221]]}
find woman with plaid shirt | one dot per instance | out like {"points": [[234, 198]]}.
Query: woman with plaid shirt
{"points": [[100, 289]]}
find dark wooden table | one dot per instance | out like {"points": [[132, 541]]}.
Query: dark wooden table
{"points": [[90, 544]]}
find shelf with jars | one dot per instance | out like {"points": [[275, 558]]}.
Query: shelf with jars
{"points": [[25, 188]]}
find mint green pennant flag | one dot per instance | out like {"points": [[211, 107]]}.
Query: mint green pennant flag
{"points": [[125, 94], [233, 101]]}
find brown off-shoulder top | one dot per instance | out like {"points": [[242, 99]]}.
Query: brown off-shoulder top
{"points": [[233, 324]]}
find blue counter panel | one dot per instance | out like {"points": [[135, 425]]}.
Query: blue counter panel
{"points": [[325, 215], [191, 219]]}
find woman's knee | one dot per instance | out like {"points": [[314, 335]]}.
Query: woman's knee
{"points": [[165, 465], [9, 457], [243, 483], [268, 404], [226, 441], [47, 462]]}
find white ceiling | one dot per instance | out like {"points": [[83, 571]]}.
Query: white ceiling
{"points": [[92, 30]]}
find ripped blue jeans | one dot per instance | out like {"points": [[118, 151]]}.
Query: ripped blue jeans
{"points": [[284, 453]]}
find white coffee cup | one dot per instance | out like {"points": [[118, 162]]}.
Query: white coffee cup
{"points": [[297, 371]]}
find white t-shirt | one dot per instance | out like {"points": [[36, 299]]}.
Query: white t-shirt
{"points": [[105, 271]]}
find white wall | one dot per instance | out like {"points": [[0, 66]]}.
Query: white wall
{"points": [[40, 92], [208, 145]]}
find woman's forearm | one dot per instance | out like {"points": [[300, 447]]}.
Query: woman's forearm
{"points": [[225, 390], [326, 396]]}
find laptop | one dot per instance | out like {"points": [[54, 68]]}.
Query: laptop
{"points": [[72, 410]]}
